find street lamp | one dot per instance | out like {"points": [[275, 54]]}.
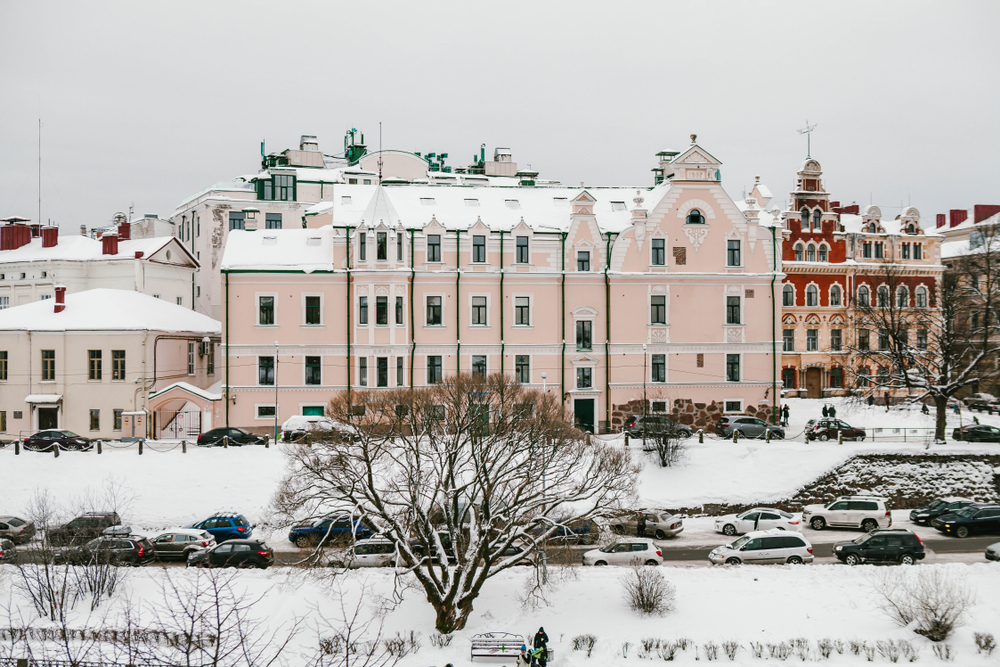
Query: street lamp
{"points": [[276, 393], [543, 383], [643, 396]]}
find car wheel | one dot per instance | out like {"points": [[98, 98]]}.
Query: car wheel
{"points": [[733, 561], [600, 563], [868, 525], [852, 559], [907, 559], [794, 560], [652, 562], [962, 531], [861, 438], [660, 535], [302, 542], [824, 437], [729, 529], [818, 523]]}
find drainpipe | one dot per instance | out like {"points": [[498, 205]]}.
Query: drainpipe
{"points": [[228, 378], [607, 336], [774, 331], [501, 303], [413, 333], [562, 357], [347, 232], [458, 301]]}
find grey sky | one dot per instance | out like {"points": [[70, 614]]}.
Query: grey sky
{"points": [[147, 103]]}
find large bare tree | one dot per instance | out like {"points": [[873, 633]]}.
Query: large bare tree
{"points": [[455, 474]]}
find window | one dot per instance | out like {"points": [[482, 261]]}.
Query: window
{"points": [[362, 310], [863, 297], [117, 416], [883, 297], [695, 217], [94, 367], [866, 250], [863, 340], [812, 296], [433, 311], [787, 295], [522, 311], [798, 252], [883, 340], [118, 364], [904, 251], [521, 245], [265, 371], [272, 221], [873, 228], [659, 255], [381, 246], [280, 187], [658, 310], [382, 371], [902, 298], [433, 369], [3, 368], [4, 302], [512, 203], [48, 365], [584, 334], [921, 339], [479, 311], [822, 253], [659, 367], [522, 368], [433, 247], [883, 375], [812, 340], [879, 250], [313, 310], [362, 245], [478, 248], [237, 220], [917, 251], [788, 340], [399, 310], [399, 371], [788, 378], [191, 357], [209, 360], [818, 220], [382, 310], [810, 253], [180, 299], [836, 340], [837, 378], [584, 378], [479, 364], [732, 310], [835, 295], [399, 246], [583, 260], [733, 253], [314, 370], [732, 368], [472, 202], [427, 201], [921, 297], [805, 218], [363, 371], [265, 310], [95, 420]]}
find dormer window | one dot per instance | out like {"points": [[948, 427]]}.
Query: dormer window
{"points": [[817, 220], [512, 203], [805, 218], [910, 229], [695, 217], [427, 201], [618, 206], [872, 228]]}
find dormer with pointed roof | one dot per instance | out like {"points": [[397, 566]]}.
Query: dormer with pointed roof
{"points": [[696, 164]]}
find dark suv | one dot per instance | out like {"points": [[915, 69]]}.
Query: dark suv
{"points": [[226, 526], [237, 438], [894, 546], [653, 425], [829, 429], [974, 518], [234, 553], [113, 549], [940, 506], [747, 427], [328, 529], [82, 528]]}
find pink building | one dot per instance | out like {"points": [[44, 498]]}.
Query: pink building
{"points": [[603, 295]]}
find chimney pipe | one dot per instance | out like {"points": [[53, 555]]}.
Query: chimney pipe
{"points": [[942, 219], [958, 216], [984, 211], [50, 237], [139, 254], [60, 298], [109, 244], [83, 230], [125, 231]]}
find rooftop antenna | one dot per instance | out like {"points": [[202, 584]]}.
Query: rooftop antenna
{"points": [[807, 130], [39, 171], [380, 152]]}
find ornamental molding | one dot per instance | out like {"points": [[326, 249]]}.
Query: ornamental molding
{"points": [[696, 236]]}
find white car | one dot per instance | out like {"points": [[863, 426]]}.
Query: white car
{"points": [[372, 552], [759, 518], [300, 425], [864, 512], [764, 547], [626, 551]]}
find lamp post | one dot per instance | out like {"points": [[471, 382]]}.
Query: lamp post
{"points": [[644, 396], [275, 393], [544, 376]]}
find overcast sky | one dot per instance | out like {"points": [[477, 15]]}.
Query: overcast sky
{"points": [[146, 103]]}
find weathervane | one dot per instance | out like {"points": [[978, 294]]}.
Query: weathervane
{"points": [[806, 131]]}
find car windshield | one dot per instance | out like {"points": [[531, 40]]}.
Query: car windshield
{"points": [[966, 512], [740, 542], [936, 504], [862, 539], [609, 549], [14, 521]]}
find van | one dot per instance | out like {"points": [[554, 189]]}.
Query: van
{"points": [[764, 547]]}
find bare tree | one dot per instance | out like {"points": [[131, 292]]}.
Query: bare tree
{"points": [[354, 637], [938, 601], [456, 474]]}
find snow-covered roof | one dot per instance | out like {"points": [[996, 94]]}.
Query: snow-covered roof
{"points": [[770, 218], [43, 398], [107, 310], [76, 248], [853, 224], [207, 394], [275, 249]]}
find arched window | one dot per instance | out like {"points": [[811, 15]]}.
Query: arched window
{"points": [[883, 297], [805, 218], [863, 296], [902, 297], [812, 296], [921, 297], [822, 252], [872, 228], [810, 253], [817, 220], [798, 252], [835, 295], [695, 217], [787, 295], [910, 229]]}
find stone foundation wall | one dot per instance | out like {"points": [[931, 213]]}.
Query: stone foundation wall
{"points": [[685, 411]]}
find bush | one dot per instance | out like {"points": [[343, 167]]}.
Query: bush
{"points": [[731, 648], [584, 643], [932, 598], [401, 645], [780, 651], [624, 648], [985, 643], [668, 650], [440, 640], [668, 450], [801, 648], [757, 649], [647, 592], [711, 651], [943, 651]]}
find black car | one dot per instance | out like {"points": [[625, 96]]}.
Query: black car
{"points": [[8, 553], [924, 515], [977, 433], [46, 441], [16, 529], [234, 553], [638, 426], [583, 531], [82, 528], [881, 546], [113, 549], [237, 438], [971, 519]]}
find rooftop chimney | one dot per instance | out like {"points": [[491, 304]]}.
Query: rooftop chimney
{"points": [[60, 298], [83, 230], [942, 219], [36, 231], [308, 142], [14, 235], [984, 211], [125, 231], [50, 237], [958, 216], [139, 254], [109, 244]]}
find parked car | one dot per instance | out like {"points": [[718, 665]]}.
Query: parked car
{"points": [[16, 529], [82, 529], [980, 401], [747, 427], [924, 515], [583, 531], [970, 520], [225, 526], [993, 552], [376, 551], [977, 433], [113, 549], [8, 552], [329, 529], [45, 441], [626, 551], [237, 438], [830, 429], [757, 519], [299, 426], [895, 546], [659, 524], [179, 543], [864, 512], [234, 553], [652, 425], [764, 547]]}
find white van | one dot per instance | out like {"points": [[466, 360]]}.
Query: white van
{"points": [[764, 547]]}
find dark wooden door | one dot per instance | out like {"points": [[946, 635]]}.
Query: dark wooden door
{"points": [[814, 383]]}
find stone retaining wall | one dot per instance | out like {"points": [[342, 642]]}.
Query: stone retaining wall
{"points": [[684, 411]]}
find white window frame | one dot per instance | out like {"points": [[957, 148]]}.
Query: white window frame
{"points": [[256, 411], [515, 236], [531, 310], [658, 237], [795, 296], [322, 307], [666, 310], [427, 246], [818, 300], [829, 295], [725, 309], [305, 368], [444, 305], [489, 303], [727, 401], [256, 369], [256, 305]]}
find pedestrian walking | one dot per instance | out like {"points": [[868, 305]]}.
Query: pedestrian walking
{"points": [[826, 412], [925, 409], [541, 652], [833, 411], [871, 399], [784, 415], [640, 525], [955, 408], [887, 401], [524, 658], [975, 419]]}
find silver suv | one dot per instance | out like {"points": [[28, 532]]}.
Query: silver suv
{"points": [[660, 524], [865, 512], [764, 547]]}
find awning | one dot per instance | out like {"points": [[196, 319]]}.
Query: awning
{"points": [[43, 398]]}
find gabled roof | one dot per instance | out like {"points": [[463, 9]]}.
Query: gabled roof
{"points": [[380, 210], [75, 248]]}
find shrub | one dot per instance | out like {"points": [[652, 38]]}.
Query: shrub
{"points": [[757, 649], [667, 650], [684, 643], [985, 643], [584, 643], [825, 647], [856, 646], [731, 648], [888, 650], [870, 653], [936, 600], [440, 640], [624, 649], [943, 651], [711, 650], [801, 648], [780, 651], [647, 592]]}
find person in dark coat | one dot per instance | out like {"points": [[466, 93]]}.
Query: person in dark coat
{"points": [[640, 525], [925, 409], [826, 412], [784, 414], [833, 412], [871, 400], [541, 652], [887, 401]]}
